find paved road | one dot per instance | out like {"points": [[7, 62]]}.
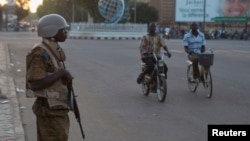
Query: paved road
{"points": [[112, 106]]}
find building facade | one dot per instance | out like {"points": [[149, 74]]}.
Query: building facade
{"points": [[166, 9]]}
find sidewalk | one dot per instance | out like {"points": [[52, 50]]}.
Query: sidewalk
{"points": [[11, 128]]}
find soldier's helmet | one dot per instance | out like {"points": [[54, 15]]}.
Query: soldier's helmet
{"points": [[50, 24]]}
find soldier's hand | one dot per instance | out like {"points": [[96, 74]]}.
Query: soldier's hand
{"points": [[67, 78]]}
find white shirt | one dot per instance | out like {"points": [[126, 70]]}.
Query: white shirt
{"points": [[194, 43]]}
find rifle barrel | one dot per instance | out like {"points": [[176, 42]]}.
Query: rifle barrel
{"points": [[80, 124], [77, 113]]}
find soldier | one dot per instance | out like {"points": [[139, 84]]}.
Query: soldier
{"points": [[47, 80]]}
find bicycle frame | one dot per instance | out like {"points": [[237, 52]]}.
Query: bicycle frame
{"points": [[205, 77]]}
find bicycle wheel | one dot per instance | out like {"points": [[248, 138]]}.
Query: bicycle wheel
{"points": [[191, 85], [208, 84], [161, 89]]}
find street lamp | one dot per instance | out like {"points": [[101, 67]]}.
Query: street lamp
{"points": [[248, 18], [134, 11], [73, 11], [204, 16]]}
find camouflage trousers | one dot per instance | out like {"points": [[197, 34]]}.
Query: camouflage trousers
{"points": [[52, 124]]}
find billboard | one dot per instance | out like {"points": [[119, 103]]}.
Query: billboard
{"points": [[11, 2], [215, 10]]}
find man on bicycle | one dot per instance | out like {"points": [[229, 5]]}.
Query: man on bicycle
{"points": [[194, 44], [149, 44]]}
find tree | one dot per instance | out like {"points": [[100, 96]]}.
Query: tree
{"points": [[143, 9], [22, 9], [61, 7], [64, 8], [92, 7]]}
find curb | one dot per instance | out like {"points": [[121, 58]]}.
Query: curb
{"points": [[17, 121], [103, 38]]}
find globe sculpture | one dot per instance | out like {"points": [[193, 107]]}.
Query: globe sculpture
{"points": [[112, 10]]}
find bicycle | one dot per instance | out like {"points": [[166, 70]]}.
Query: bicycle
{"points": [[205, 62]]}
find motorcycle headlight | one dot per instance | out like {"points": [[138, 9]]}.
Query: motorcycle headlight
{"points": [[160, 63], [166, 33]]}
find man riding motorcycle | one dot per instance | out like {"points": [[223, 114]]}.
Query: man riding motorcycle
{"points": [[149, 44]]}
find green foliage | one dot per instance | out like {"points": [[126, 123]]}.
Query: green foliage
{"points": [[143, 9], [83, 7], [92, 7], [61, 7], [21, 13], [22, 8], [65, 8]]}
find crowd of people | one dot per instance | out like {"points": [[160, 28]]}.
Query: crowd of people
{"points": [[178, 32], [234, 34]]}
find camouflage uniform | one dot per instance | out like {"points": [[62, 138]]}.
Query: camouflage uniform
{"points": [[50, 107]]}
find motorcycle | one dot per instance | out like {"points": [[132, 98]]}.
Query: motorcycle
{"points": [[156, 81], [166, 33]]}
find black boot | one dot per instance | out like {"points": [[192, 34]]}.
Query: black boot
{"points": [[139, 78]]}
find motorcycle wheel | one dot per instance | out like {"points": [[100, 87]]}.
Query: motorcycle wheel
{"points": [[145, 88], [161, 89]]}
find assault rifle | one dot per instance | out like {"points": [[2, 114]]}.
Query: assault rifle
{"points": [[74, 107], [72, 103]]}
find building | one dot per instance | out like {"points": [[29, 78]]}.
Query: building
{"points": [[166, 9]]}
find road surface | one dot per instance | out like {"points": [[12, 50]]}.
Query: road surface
{"points": [[110, 101]]}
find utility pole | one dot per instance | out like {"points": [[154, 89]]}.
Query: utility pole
{"points": [[248, 19], [134, 11], [204, 16], [1, 17], [73, 11]]}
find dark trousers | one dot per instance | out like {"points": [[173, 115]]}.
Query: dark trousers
{"points": [[150, 62]]}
